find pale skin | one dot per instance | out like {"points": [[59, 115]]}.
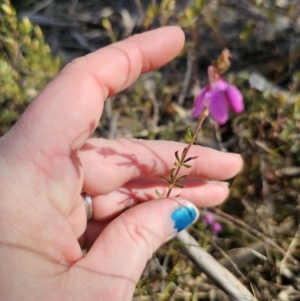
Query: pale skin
{"points": [[47, 158]]}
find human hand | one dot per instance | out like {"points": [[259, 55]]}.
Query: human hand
{"points": [[46, 160]]}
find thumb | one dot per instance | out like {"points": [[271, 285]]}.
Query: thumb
{"points": [[122, 250]]}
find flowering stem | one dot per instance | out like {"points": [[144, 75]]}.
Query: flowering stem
{"points": [[183, 159]]}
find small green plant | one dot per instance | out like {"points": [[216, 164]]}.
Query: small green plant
{"points": [[26, 64], [214, 99]]}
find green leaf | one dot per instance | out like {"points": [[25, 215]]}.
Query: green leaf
{"points": [[171, 186], [178, 164], [182, 155], [172, 173], [178, 185], [189, 159], [189, 134], [165, 179], [187, 165], [177, 156], [180, 179], [158, 194]]}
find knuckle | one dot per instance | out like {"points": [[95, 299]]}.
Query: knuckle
{"points": [[140, 235]]}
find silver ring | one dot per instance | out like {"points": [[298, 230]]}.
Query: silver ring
{"points": [[88, 205]]}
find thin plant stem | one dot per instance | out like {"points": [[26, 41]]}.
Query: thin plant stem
{"points": [[204, 114]]}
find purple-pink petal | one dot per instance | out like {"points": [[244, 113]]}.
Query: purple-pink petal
{"points": [[218, 106], [208, 218], [235, 98], [216, 228], [221, 85], [200, 101]]}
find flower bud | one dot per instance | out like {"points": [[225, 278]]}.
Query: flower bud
{"points": [[223, 61]]}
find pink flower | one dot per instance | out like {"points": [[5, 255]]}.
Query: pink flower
{"points": [[208, 218], [216, 228], [218, 96]]}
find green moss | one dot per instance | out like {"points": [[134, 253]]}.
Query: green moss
{"points": [[26, 64], [291, 128]]}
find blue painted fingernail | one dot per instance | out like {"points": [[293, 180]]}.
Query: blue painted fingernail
{"points": [[181, 218]]}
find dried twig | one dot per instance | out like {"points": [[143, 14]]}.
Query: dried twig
{"points": [[294, 249], [214, 270], [255, 232], [37, 7], [187, 78]]}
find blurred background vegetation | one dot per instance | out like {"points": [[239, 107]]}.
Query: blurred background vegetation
{"points": [[260, 220]]}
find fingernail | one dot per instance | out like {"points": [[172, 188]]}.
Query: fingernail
{"points": [[180, 218]]}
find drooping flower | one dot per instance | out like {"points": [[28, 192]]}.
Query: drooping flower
{"points": [[218, 96]]}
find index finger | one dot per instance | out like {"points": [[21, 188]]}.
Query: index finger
{"points": [[68, 109]]}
